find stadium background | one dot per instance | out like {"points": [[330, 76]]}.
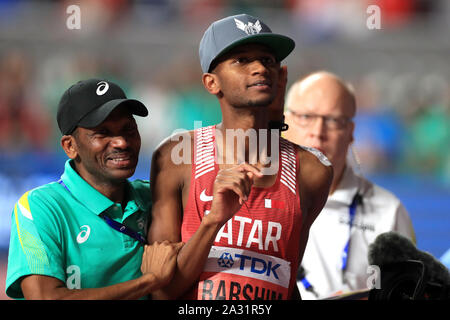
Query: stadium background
{"points": [[401, 74]]}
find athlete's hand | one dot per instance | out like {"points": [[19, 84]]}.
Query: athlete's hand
{"points": [[276, 108], [160, 259], [231, 189]]}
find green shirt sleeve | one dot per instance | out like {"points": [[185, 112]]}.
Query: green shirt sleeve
{"points": [[34, 247]]}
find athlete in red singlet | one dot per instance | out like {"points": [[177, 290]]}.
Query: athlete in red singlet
{"points": [[254, 251], [245, 227]]}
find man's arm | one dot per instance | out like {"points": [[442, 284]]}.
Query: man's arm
{"points": [[403, 223], [166, 185], [167, 180], [231, 187], [315, 179], [38, 287], [158, 266]]}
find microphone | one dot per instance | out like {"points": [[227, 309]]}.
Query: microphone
{"points": [[406, 272], [280, 125]]}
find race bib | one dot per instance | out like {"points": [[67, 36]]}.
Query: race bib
{"points": [[237, 274]]}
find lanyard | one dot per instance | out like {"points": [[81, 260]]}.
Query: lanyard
{"points": [[124, 229], [308, 286], [357, 199], [352, 212], [116, 225]]}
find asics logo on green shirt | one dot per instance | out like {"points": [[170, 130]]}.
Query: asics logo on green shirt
{"points": [[84, 234]]}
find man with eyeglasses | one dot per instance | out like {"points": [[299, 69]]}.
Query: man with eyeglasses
{"points": [[319, 110]]}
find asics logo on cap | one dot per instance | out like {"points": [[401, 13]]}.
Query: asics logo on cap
{"points": [[250, 28], [103, 86]]}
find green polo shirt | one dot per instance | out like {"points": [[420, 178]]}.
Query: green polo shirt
{"points": [[59, 232]]}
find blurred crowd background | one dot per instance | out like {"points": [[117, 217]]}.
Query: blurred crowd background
{"points": [[401, 74]]}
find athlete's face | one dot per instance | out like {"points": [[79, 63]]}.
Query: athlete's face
{"points": [[248, 76], [110, 151]]}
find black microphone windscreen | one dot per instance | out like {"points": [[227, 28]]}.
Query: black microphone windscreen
{"points": [[392, 247]]}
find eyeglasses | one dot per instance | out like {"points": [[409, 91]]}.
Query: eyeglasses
{"points": [[308, 119]]}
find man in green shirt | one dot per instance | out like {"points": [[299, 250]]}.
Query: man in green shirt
{"points": [[83, 237]]}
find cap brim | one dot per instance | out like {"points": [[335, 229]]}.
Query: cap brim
{"points": [[281, 45], [99, 115]]}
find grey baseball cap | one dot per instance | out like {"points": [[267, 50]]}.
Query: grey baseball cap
{"points": [[230, 32]]}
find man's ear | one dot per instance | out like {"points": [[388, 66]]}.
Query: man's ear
{"points": [[352, 131], [69, 146], [211, 83]]}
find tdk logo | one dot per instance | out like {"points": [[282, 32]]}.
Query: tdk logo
{"points": [[252, 264], [225, 260]]}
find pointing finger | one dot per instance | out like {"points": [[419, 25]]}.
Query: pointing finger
{"points": [[250, 168]]}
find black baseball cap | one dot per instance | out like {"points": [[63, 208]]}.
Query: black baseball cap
{"points": [[227, 33], [89, 102]]}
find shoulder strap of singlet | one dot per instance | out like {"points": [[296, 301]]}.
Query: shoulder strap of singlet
{"points": [[203, 161], [288, 156]]}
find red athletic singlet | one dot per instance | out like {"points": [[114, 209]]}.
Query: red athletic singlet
{"points": [[255, 254]]}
